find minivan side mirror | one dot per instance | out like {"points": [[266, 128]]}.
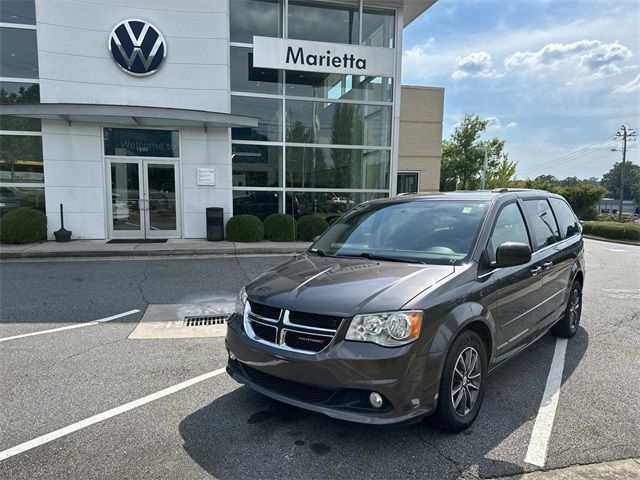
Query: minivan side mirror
{"points": [[510, 254]]}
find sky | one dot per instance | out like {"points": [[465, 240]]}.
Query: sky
{"points": [[555, 78]]}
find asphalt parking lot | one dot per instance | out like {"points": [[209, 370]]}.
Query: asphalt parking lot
{"points": [[216, 428]]}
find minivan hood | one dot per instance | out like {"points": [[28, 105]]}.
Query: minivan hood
{"points": [[343, 286]]}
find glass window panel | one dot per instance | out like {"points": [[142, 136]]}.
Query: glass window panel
{"points": [[18, 197], [258, 203], [327, 204], [337, 168], [566, 218], [269, 114], [407, 182], [378, 28], [545, 229], [323, 23], [335, 86], [21, 159], [16, 92], [139, 142], [338, 123], [255, 17], [257, 166], [18, 53], [509, 227], [18, 11], [246, 78]]}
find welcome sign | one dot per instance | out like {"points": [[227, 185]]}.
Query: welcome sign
{"points": [[287, 54]]}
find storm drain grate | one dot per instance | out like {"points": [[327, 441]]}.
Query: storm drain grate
{"points": [[204, 320]]}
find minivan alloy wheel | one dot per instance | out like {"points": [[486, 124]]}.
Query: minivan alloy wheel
{"points": [[574, 308], [465, 381]]}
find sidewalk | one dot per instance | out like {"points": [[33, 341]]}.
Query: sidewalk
{"points": [[616, 470], [100, 248]]}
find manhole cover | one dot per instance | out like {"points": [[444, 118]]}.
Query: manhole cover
{"points": [[202, 321]]}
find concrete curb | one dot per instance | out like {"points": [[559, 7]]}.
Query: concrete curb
{"points": [[156, 252]]}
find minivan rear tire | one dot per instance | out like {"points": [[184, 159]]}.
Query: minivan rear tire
{"points": [[451, 417]]}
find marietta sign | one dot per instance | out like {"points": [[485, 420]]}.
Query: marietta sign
{"points": [[287, 54]]}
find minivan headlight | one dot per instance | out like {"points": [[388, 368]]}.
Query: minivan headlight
{"points": [[390, 329], [241, 301]]}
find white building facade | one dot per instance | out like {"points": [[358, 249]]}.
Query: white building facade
{"points": [[138, 115]]}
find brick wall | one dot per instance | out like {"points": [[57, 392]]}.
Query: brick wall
{"points": [[420, 147]]}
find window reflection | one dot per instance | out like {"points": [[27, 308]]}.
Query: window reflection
{"points": [[328, 204], [323, 23], [338, 123], [15, 92], [18, 53], [257, 166], [246, 78], [337, 168], [378, 28], [21, 159], [254, 17], [12, 198], [18, 11], [335, 86], [269, 114], [258, 203]]}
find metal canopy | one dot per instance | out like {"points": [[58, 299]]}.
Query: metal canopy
{"points": [[128, 115]]}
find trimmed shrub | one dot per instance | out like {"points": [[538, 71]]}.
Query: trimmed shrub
{"points": [[279, 227], [613, 230], [311, 226], [245, 228], [23, 225]]}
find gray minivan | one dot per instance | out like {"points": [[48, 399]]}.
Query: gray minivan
{"points": [[404, 305]]}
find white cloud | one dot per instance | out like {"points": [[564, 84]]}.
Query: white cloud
{"points": [[493, 123], [591, 56], [512, 125], [629, 87], [476, 64]]}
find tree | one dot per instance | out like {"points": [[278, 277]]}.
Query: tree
{"points": [[463, 157], [611, 181]]}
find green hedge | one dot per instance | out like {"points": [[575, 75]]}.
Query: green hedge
{"points": [[23, 225], [311, 226], [279, 228], [245, 228], [613, 230]]}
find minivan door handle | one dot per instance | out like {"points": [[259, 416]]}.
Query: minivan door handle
{"points": [[547, 265], [536, 270]]}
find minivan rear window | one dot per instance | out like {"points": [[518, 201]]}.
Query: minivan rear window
{"points": [[424, 231], [566, 218], [545, 229]]}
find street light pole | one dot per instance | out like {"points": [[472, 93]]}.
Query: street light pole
{"points": [[484, 169], [624, 156]]}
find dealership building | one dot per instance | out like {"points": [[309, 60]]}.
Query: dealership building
{"points": [[138, 115]]}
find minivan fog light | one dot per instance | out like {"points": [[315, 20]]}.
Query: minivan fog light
{"points": [[375, 399], [390, 329]]}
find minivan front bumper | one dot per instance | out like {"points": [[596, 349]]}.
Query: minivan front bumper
{"points": [[337, 382]]}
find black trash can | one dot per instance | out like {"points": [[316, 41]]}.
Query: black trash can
{"points": [[215, 224]]}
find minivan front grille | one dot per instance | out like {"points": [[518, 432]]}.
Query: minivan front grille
{"points": [[265, 310], [298, 331]]}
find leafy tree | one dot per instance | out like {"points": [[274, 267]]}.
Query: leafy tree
{"points": [[611, 181], [463, 156]]}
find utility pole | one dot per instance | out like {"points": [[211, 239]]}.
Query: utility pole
{"points": [[624, 136], [484, 169]]}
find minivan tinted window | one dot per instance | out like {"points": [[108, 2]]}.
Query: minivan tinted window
{"points": [[545, 229], [566, 219], [509, 227], [437, 231]]}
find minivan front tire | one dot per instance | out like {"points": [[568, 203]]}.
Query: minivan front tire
{"points": [[463, 383]]}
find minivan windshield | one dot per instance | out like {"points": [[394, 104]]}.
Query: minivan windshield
{"points": [[439, 231]]}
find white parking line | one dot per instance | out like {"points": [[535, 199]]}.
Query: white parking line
{"points": [[70, 327], [539, 443], [616, 250], [49, 437]]}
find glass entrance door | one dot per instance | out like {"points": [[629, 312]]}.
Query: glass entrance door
{"points": [[144, 200]]}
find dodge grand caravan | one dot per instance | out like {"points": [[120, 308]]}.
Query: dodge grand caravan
{"points": [[404, 305]]}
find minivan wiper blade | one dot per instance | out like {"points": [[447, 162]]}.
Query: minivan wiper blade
{"points": [[375, 256]]}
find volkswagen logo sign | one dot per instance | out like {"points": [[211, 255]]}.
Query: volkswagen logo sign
{"points": [[137, 47]]}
